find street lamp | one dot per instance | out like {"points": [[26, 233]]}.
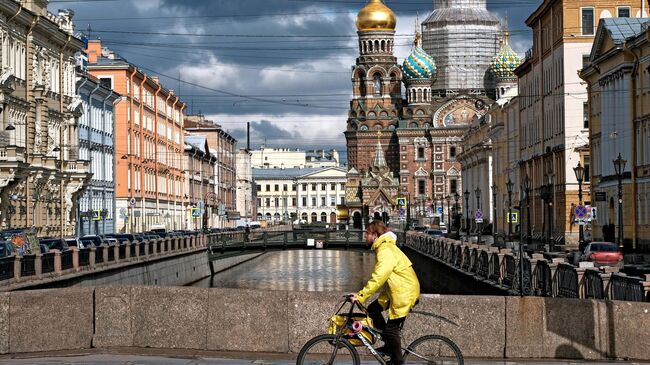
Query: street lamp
{"points": [[529, 238], [495, 188], [547, 197], [527, 189], [466, 195], [580, 176], [477, 191], [456, 199], [510, 186], [619, 166]]}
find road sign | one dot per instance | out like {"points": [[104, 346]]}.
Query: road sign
{"points": [[513, 218], [440, 210], [401, 202], [478, 216], [132, 202], [97, 215], [196, 212], [123, 212], [581, 212]]}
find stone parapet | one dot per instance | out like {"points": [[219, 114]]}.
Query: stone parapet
{"points": [[281, 322]]}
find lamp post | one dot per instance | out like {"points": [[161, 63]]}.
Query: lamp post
{"points": [[545, 194], [619, 166], [510, 186], [477, 192], [466, 195], [456, 199], [494, 212], [448, 199], [527, 189], [549, 184], [580, 175]]}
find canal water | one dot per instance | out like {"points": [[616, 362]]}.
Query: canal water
{"points": [[310, 270]]}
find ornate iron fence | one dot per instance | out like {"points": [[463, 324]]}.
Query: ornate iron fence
{"points": [[483, 265], [593, 284], [566, 282], [466, 260], [495, 267], [47, 262], [84, 257], [99, 254], [7, 268], [27, 266], [66, 260], [628, 288], [510, 271], [543, 280], [473, 260]]}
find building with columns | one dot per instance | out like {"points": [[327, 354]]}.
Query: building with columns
{"points": [[553, 104], [419, 134], [41, 171], [149, 145], [244, 173], [309, 194], [619, 123], [267, 157], [97, 213]]}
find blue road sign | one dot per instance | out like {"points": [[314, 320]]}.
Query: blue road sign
{"points": [[581, 212]]}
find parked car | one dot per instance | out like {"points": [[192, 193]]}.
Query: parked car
{"points": [[434, 232], [91, 240], [74, 241], [55, 244], [6, 249], [603, 254], [44, 248], [123, 237]]}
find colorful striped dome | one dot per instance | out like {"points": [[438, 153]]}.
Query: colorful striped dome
{"points": [[505, 61], [419, 65]]}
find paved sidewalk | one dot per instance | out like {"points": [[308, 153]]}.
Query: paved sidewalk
{"points": [[113, 359]]}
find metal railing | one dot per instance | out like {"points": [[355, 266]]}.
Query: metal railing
{"points": [[66, 260], [84, 257], [566, 282], [483, 265], [28, 265], [543, 279], [593, 285], [47, 263], [495, 268], [6, 268], [627, 288]]}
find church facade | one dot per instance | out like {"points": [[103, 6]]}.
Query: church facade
{"points": [[402, 150]]}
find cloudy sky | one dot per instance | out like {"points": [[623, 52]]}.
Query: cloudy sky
{"points": [[283, 65]]}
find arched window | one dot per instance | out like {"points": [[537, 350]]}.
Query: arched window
{"points": [[323, 217], [391, 127], [383, 46], [363, 127], [372, 115], [419, 97], [426, 95], [268, 217], [377, 46], [314, 217], [304, 217], [414, 125], [376, 82], [276, 217], [378, 127]]}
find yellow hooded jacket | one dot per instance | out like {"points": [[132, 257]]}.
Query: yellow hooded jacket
{"points": [[396, 270]]}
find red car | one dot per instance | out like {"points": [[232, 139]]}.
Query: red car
{"points": [[603, 254]]}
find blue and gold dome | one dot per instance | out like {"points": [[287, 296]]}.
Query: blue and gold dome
{"points": [[419, 65], [505, 61]]}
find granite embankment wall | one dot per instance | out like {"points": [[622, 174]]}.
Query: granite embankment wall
{"points": [[281, 322]]}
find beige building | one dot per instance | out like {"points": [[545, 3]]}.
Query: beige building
{"points": [[223, 146], [201, 206], [619, 123], [553, 100], [41, 174], [245, 205]]}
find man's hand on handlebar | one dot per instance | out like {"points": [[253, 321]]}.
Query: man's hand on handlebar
{"points": [[352, 297]]}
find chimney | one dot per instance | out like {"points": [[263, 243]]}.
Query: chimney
{"points": [[248, 136], [94, 50]]}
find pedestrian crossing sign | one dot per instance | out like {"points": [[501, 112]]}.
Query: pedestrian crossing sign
{"points": [[513, 217], [97, 215], [401, 202]]}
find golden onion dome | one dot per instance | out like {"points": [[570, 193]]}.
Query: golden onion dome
{"points": [[376, 16]]}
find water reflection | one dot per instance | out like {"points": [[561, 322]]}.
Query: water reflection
{"points": [[298, 271]]}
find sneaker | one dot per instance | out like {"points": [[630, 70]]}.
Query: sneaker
{"points": [[383, 351]]}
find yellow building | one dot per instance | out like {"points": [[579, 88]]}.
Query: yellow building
{"points": [[619, 123], [553, 101]]}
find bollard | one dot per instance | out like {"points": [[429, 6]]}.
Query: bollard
{"points": [[57, 262], [75, 259], [38, 265], [91, 257], [17, 267]]}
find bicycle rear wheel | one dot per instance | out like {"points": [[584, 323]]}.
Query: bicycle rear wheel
{"points": [[433, 350], [327, 350]]}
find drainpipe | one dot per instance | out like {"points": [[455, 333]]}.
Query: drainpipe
{"points": [[142, 188], [633, 165]]}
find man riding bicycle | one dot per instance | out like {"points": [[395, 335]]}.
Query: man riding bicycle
{"points": [[396, 270]]}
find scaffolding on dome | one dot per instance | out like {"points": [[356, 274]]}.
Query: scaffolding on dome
{"points": [[463, 37]]}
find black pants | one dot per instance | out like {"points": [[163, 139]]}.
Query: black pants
{"points": [[391, 331]]}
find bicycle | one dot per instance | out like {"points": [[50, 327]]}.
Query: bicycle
{"points": [[341, 347]]}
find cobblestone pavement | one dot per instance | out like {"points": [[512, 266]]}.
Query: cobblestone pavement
{"points": [[112, 359]]}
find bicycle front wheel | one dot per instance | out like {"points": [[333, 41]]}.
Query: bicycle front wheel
{"points": [[328, 350], [433, 350]]}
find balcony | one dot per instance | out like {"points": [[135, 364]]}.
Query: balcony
{"points": [[12, 154]]}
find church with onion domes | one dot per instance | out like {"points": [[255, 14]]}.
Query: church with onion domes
{"points": [[405, 126]]}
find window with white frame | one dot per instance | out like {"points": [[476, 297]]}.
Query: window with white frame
{"points": [[587, 21], [623, 12]]}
